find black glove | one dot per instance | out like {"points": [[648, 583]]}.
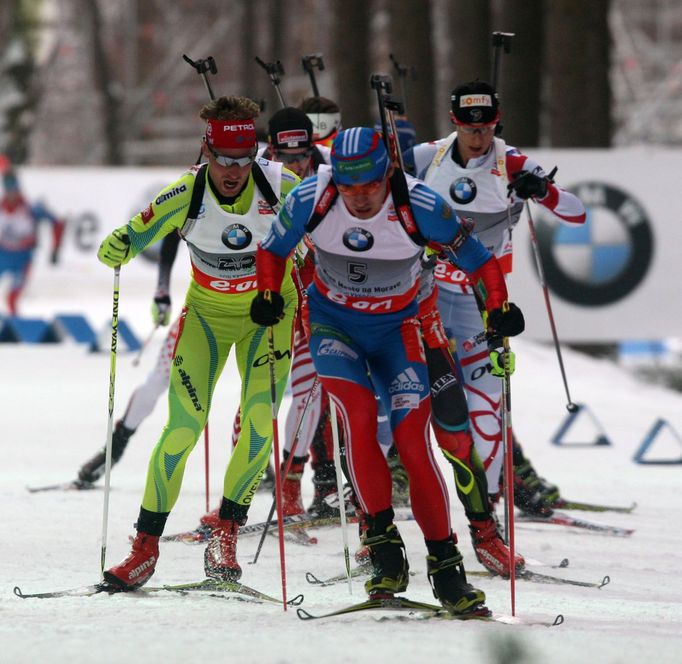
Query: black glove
{"points": [[161, 309], [505, 323], [527, 185], [267, 311]]}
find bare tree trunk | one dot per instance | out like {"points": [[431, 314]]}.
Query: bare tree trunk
{"points": [[520, 71], [579, 91], [351, 55], [411, 42], [103, 83], [469, 28]]}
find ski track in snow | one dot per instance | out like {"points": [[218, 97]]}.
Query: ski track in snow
{"points": [[55, 414]]}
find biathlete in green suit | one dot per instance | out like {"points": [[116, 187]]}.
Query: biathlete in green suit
{"points": [[222, 209]]}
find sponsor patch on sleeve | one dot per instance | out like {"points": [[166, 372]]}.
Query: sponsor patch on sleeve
{"points": [[147, 214]]}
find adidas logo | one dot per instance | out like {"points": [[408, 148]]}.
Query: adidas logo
{"points": [[406, 381]]}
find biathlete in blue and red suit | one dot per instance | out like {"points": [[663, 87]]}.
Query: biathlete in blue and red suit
{"points": [[19, 222], [368, 229]]}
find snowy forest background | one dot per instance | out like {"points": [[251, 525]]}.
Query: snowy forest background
{"points": [[94, 82]]}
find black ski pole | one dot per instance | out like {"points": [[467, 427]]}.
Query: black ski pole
{"points": [[310, 64], [570, 405], [274, 70]]}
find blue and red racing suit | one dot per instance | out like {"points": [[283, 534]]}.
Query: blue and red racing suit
{"points": [[361, 313]]}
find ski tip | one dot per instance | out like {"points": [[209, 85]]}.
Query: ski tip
{"points": [[313, 580], [605, 581], [303, 614], [18, 593], [296, 601], [559, 620]]}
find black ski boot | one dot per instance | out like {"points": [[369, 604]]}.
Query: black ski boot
{"points": [[324, 481], [390, 573], [92, 470], [449, 582], [532, 493]]}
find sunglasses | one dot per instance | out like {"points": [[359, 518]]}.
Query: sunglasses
{"points": [[360, 189], [291, 157], [232, 161], [470, 131]]}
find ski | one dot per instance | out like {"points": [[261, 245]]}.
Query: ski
{"points": [[298, 521], [211, 586], [427, 611], [296, 536], [74, 485], [82, 591], [561, 503], [355, 572], [525, 575], [537, 577], [560, 519], [215, 586]]}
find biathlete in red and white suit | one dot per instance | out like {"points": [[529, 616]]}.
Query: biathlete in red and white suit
{"points": [[486, 182], [362, 315]]}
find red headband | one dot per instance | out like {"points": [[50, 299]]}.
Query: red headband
{"points": [[228, 134]]}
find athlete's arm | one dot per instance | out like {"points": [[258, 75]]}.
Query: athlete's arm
{"points": [[438, 222], [285, 233], [565, 205], [421, 157]]}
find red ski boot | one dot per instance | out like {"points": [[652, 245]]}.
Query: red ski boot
{"points": [[490, 549], [211, 519], [291, 487], [220, 557], [138, 567]]}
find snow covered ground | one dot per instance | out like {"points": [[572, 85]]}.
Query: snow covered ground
{"points": [[54, 404]]}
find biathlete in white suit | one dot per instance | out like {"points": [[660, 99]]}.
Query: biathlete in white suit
{"points": [[361, 313], [487, 182]]}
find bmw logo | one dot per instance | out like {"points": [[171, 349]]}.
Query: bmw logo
{"points": [[463, 190], [358, 239], [237, 236], [603, 260]]}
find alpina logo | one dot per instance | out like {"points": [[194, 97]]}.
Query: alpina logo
{"points": [[134, 573]]}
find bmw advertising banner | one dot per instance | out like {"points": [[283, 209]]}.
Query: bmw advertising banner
{"points": [[618, 276]]}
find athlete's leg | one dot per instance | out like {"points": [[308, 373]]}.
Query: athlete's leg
{"points": [[450, 424], [464, 328], [398, 369], [199, 358], [18, 278], [250, 457]]}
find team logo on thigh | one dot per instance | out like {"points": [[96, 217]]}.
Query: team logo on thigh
{"points": [[358, 239], [463, 190], [406, 380], [237, 236]]}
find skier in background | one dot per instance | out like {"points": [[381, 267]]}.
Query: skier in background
{"points": [[19, 221]]}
